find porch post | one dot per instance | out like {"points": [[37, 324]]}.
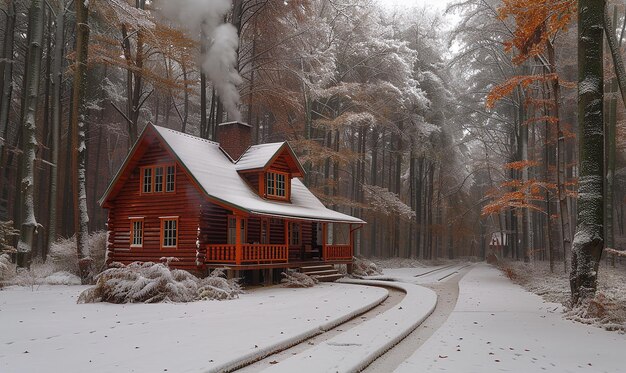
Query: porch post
{"points": [[286, 222], [238, 248], [324, 235], [351, 239]]}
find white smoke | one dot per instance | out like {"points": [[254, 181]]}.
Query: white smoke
{"points": [[220, 57], [219, 65]]}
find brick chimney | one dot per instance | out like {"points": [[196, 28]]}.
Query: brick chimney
{"points": [[234, 138]]}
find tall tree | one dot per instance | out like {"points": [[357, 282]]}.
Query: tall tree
{"points": [[79, 148], [589, 237], [57, 74], [29, 140]]}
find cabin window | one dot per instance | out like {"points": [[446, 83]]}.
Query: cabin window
{"points": [[147, 180], [276, 185], [232, 230], [136, 232], [295, 234], [170, 180], [156, 179], [169, 232]]}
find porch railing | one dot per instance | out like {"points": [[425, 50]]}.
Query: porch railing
{"points": [[250, 254], [337, 252], [264, 254], [259, 253], [220, 254]]}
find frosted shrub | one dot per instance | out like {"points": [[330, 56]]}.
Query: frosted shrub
{"points": [[63, 253], [600, 310], [297, 280], [156, 282], [364, 267], [216, 286], [7, 234], [6, 267]]}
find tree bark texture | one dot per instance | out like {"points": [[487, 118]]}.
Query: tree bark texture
{"points": [[589, 237], [79, 149], [33, 71]]}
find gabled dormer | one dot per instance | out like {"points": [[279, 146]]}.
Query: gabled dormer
{"points": [[269, 169]]}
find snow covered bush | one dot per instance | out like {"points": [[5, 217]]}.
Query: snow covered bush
{"points": [[364, 267], [216, 286], [6, 267], [7, 234], [295, 279], [64, 258], [156, 282]]}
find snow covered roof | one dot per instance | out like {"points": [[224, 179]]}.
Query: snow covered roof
{"points": [[258, 156], [217, 175]]}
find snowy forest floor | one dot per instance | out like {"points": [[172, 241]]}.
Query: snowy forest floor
{"points": [[607, 310], [498, 326]]}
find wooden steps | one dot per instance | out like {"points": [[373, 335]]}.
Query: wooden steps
{"points": [[322, 272]]}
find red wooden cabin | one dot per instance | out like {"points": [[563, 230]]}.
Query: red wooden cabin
{"points": [[213, 205]]}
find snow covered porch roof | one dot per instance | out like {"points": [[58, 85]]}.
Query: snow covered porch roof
{"points": [[217, 177]]}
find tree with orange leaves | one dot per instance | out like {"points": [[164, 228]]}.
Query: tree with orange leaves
{"points": [[538, 23]]}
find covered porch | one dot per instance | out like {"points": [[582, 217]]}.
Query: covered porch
{"points": [[257, 242]]}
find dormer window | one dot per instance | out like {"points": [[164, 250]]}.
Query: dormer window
{"points": [[157, 179], [276, 185]]}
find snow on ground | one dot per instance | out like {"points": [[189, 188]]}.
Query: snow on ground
{"points": [[498, 326], [420, 275], [45, 330]]}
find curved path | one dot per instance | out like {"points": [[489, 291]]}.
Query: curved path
{"points": [[395, 297], [355, 344], [447, 291]]}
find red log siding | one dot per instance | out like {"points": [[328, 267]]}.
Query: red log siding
{"points": [[254, 230], [307, 233], [252, 178], [214, 224], [213, 227], [184, 202], [277, 231], [283, 163]]}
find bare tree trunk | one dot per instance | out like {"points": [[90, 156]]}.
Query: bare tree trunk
{"points": [[7, 73], [526, 222], [57, 74], [79, 150], [33, 71], [43, 197], [620, 73], [589, 238]]}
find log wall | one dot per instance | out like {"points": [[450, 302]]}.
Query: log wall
{"points": [[184, 202]]}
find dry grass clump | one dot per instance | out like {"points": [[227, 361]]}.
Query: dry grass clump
{"points": [[297, 280], [601, 310], [364, 267]]}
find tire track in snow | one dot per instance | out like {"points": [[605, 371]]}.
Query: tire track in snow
{"points": [[395, 297]]}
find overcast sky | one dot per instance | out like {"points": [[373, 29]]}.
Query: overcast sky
{"points": [[441, 4]]}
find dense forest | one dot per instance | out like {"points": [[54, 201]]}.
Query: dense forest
{"points": [[450, 138]]}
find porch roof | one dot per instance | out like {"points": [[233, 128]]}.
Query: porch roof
{"points": [[217, 175]]}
